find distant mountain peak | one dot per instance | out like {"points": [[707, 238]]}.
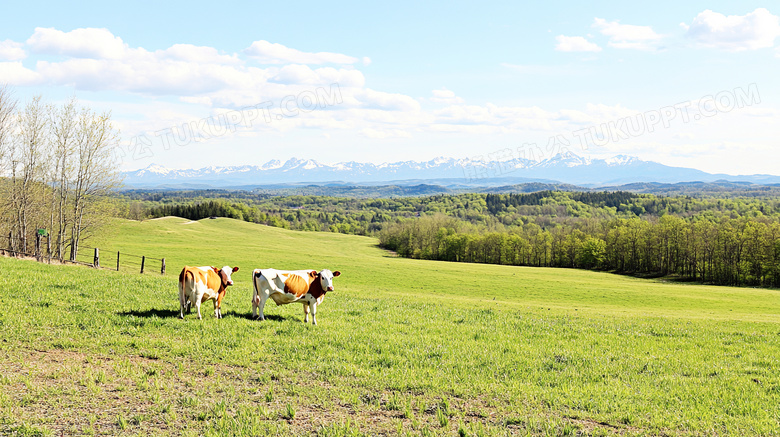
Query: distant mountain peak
{"points": [[156, 169], [272, 164], [566, 167], [566, 158], [622, 160]]}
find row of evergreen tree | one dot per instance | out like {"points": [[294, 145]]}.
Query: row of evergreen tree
{"points": [[197, 211]]}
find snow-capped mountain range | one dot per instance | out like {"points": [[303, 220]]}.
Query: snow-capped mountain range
{"points": [[566, 168]]}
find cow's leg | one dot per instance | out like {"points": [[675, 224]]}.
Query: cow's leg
{"points": [[198, 299], [261, 300], [314, 312], [182, 303], [218, 303], [258, 304], [305, 312], [189, 306]]}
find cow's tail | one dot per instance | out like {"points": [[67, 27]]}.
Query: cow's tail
{"points": [[182, 277], [182, 287], [186, 281], [255, 278]]}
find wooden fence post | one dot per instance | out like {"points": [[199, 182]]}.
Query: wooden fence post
{"points": [[162, 270], [96, 261], [117, 260], [143, 260]]}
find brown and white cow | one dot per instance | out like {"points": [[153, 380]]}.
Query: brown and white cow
{"points": [[288, 286], [201, 284]]}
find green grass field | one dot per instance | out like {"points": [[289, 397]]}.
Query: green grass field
{"points": [[402, 347]]}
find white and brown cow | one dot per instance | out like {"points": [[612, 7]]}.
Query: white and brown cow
{"points": [[201, 284], [288, 286]]}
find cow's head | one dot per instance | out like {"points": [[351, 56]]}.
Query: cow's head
{"points": [[326, 279], [224, 275]]}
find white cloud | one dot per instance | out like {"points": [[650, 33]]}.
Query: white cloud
{"points": [[79, 43], [192, 53], [271, 53], [203, 76], [575, 44], [628, 36], [445, 96], [371, 99], [146, 74], [197, 100], [14, 73], [752, 31], [303, 74], [95, 59], [11, 51]]}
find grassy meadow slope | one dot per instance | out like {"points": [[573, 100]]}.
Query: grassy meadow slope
{"points": [[403, 346], [369, 270]]}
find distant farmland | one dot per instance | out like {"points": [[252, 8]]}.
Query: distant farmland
{"points": [[402, 347]]}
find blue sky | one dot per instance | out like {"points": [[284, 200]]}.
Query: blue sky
{"points": [[411, 80]]}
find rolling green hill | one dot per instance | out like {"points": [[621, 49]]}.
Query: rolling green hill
{"points": [[370, 271], [402, 347]]}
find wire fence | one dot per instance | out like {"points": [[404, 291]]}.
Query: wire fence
{"points": [[87, 255]]}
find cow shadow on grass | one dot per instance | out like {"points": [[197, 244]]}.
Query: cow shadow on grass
{"points": [[248, 316], [151, 313], [164, 313]]}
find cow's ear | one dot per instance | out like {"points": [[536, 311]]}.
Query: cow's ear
{"points": [[235, 269], [215, 269], [336, 273], [313, 273]]}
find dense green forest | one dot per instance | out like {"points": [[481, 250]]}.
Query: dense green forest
{"points": [[713, 239]]}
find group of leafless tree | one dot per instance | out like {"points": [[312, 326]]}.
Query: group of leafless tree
{"points": [[56, 169]]}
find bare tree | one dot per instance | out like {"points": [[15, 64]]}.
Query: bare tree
{"points": [[56, 170], [64, 130], [7, 125], [7, 114], [96, 172], [27, 171]]}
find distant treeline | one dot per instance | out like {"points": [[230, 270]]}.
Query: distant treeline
{"points": [[219, 208], [728, 252], [711, 239]]}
